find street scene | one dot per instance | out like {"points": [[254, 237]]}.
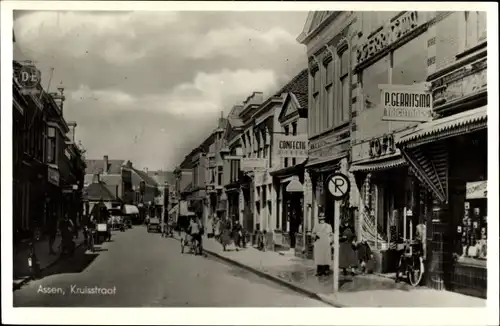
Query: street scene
{"points": [[250, 159]]}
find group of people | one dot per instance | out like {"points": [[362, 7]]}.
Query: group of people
{"points": [[227, 232], [352, 253]]}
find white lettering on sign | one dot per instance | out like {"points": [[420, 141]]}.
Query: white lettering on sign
{"points": [[406, 103]]}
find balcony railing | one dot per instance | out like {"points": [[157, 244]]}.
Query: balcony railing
{"points": [[462, 82]]}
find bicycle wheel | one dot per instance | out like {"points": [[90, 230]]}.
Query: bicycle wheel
{"points": [[415, 271]]}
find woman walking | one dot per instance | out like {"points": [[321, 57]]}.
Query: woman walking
{"points": [[348, 256]]}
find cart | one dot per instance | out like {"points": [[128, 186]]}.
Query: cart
{"points": [[154, 225]]}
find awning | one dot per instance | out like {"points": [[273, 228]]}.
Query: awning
{"points": [[457, 124], [130, 209], [295, 186], [380, 165]]}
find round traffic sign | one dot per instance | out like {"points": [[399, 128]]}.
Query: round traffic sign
{"points": [[338, 184]]}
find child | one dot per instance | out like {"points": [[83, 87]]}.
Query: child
{"points": [[365, 257]]}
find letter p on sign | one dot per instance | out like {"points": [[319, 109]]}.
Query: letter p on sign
{"points": [[338, 185]]}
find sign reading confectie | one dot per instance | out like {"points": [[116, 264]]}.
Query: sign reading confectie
{"points": [[292, 146], [406, 103]]}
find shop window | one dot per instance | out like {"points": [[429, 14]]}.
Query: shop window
{"points": [[372, 77], [343, 110], [51, 145], [410, 62], [475, 22]]}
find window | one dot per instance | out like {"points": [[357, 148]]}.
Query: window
{"points": [[294, 128], [286, 162], [316, 102], [51, 145], [219, 178], [475, 22], [410, 62], [294, 161], [328, 120], [343, 111], [286, 130], [372, 76]]}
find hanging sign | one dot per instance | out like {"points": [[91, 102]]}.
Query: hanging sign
{"points": [[406, 103], [292, 146]]}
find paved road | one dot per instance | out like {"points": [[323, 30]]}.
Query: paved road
{"points": [[145, 270]]}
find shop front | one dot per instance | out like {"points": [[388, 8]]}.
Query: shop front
{"points": [[290, 205], [390, 197], [326, 156], [449, 156]]}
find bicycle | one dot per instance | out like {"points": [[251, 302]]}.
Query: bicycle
{"points": [[411, 263]]}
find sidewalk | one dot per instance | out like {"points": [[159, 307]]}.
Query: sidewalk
{"points": [[358, 291], [21, 269]]}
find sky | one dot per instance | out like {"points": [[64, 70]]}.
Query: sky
{"points": [[149, 86]]}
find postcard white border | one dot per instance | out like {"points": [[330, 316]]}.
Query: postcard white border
{"points": [[233, 316]]}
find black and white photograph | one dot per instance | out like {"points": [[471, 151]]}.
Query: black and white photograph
{"points": [[191, 157]]}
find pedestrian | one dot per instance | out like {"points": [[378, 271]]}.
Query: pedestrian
{"points": [[52, 232], [237, 233], [347, 254], [322, 235], [217, 228], [226, 234], [210, 227], [365, 256], [420, 237]]}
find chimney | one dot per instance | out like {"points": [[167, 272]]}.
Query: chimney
{"points": [[106, 164]]}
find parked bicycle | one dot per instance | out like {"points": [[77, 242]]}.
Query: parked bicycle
{"points": [[411, 263]]}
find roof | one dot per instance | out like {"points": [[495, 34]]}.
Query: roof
{"points": [[302, 98], [96, 191], [298, 85], [162, 176], [457, 124], [96, 166], [233, 116], [146, 178], [111, 180], [188, 188]]}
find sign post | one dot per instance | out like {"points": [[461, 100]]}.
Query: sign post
{"points": [[339, 186]]}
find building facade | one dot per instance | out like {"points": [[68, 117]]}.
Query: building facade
{"points": [[330, 38], [289, 152], [46, 162], [449, 153]]}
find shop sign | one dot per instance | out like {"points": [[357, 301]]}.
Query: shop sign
{"points": [[253, 164], [329, 146], [381, 146], [396, 30], [463, 82], [406, 103], [291, 146], [476, 190], [53, 176]]}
